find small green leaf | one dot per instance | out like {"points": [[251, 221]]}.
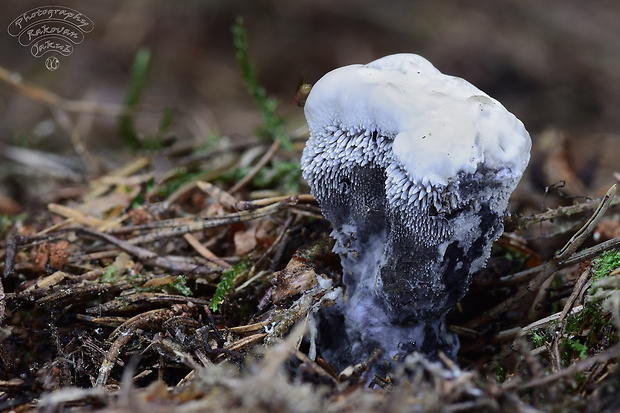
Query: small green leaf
{"points": [[135, 88], [272, 123], [180, 285], [166, 120]]}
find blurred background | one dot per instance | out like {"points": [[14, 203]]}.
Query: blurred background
{"points": [[554, 64]]}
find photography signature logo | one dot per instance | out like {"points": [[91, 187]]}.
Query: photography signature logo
{"points": [[53, 29]]}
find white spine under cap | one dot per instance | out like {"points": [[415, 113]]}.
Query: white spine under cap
{"points": [[439, 125]]}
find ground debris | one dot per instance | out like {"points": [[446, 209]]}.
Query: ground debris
{"points": [[205, 301]]}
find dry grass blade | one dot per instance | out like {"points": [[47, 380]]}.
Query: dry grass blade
{"points": [[606, 355], [100, 186], [223, 197], [204, 251], [104, 321], [2, 302], [54, 401], [46, 97], [75, 216], [111, 355], [261, 163], [250, 328], [132, 302], [245, 342], [563, 211], [138, 252], [141, 320], [123, 333], [576, 258], [178, 229]]}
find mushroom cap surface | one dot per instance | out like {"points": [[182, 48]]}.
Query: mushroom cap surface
{"points": [[439, 125]]}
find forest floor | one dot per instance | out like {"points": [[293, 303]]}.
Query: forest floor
{"points": [[180, 275]]}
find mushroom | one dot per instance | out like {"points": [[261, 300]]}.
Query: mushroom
{"points": [[414, 169]]}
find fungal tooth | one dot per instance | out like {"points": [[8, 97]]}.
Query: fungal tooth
{"points": [[397, 180], [359, 153], [405, 187]]}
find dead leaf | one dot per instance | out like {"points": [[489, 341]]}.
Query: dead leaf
{"points": [[8, 206], [55, 254], [156, 282], [296, 278], [245, 240], [607, 229]]}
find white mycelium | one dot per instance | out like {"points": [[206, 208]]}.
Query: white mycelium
{"points": [[414, 169]]}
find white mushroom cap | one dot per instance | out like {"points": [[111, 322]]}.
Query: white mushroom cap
{"points": [[440, 125]]}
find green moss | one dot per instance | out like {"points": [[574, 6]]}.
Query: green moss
{"points": [[8, 221], [180, 178], [606, 263], [500, 373], [209, 143], [180, 285], [226, 282], [109, 274], [538, 338], [571, 348], [177, 285], [580, 378], [123, 302], [586, 331]]}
